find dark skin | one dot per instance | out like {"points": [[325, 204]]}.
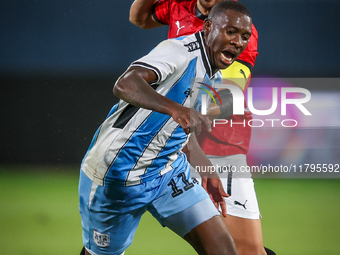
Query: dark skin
{"points": [[225, 38], [205, 5], [133, 87], [212, 236], [231, 37], [222, 35]]}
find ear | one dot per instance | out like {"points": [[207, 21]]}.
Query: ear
{"points": [[207, 26]]}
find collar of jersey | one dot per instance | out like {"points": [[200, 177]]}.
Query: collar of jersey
{"points": [[199, 37]]}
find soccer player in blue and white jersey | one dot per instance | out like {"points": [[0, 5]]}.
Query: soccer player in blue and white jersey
{"points": [[135, 162]]}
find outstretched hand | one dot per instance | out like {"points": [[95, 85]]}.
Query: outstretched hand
{"points": [[216, 192]]}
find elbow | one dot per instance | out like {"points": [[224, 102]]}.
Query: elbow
{"points": [[119, 91], [118, 88], [138, 22], [123, 88], [133, 20]]}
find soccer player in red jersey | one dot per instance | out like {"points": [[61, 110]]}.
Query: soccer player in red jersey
{"points": [[225, 145]]}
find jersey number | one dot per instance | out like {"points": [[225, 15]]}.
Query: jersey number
{"points": [[177, 191]]}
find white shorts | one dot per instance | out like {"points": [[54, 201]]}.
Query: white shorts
{"points": [[242, 201]]}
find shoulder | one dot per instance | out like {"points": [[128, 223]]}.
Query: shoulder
{"points": [[171, 56], [181, 45], [174, 47], [178, 50]]}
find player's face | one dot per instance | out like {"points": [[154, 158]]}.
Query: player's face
{"points": [[206, 5], [226, 36]]}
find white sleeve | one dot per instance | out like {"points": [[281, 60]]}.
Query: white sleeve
{"points": [[165, 59]]}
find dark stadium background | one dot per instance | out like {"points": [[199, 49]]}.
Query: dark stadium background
{"points": [[59, 61]]}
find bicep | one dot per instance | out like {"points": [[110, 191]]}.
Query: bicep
{"points": [[148, 22], [142, 15], [148, 75], [133, 80]]}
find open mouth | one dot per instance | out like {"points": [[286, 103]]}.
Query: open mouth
{"points": [[227, 57]]}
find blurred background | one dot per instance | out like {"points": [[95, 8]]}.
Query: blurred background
{"points": [[59, 61]]}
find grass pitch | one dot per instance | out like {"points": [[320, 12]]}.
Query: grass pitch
{"points": [[39, 216]]}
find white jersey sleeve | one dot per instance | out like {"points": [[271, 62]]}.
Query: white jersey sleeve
{"points": [[163, 61]]}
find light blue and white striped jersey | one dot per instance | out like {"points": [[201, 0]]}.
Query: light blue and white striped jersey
{"points": [[133, 144]]}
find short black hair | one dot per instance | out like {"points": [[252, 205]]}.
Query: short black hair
{"points": [[228, 5]]}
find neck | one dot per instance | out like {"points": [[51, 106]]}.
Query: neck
{"points": [[210, 55]]}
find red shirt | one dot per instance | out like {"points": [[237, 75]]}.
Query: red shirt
{"points": [[184, 18]]}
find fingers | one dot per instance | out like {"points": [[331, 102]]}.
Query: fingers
{"points": [[216, 193], [213, 196], [196, 120], [205, 184], [207, 123], [195, 127], [222, 203], [223, 193], [191, 120], [184, 125], [219, 204], [223, 209]]}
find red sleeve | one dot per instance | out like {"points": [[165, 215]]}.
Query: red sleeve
{"points": [[250, 53], [161, 11]]}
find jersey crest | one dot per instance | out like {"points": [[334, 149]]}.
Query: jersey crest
{"points": [[102, 240], [192, 46]]}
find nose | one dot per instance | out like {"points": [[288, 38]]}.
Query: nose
{"points": [[237, 41]]}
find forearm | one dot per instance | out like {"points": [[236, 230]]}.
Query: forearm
{"points": [[198, 159], [133, 88], [210, 180], [141, 15]]}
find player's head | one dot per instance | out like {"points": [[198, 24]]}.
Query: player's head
{"points": [[226, 33], [229, 5]]}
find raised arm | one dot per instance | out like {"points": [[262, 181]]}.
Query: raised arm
{"points": [[141, 14], [133, 87]]}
